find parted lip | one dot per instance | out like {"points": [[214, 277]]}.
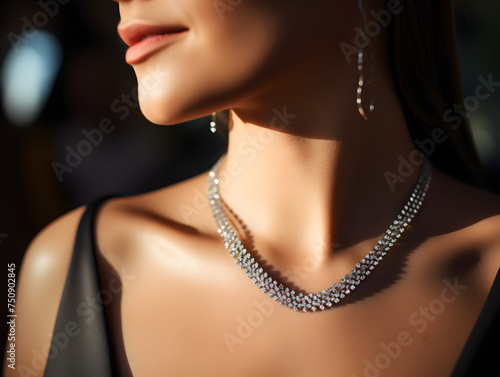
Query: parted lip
{"points": [[135, 31]]}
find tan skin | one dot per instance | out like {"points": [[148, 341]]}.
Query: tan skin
{"points": [[182, 295]]}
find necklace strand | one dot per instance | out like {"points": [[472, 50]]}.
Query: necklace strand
{"points": [[336, 292]]}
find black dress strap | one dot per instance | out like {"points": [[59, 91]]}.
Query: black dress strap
{"points": [[481, 353], [81, 344]]}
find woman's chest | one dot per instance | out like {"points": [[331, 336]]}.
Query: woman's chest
{"points": [[185, 327]]}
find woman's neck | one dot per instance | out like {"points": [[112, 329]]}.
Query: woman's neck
{"points": [[296, 192], [306, 173]]}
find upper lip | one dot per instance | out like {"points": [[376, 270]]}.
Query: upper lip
{"points": [[136, 31]]}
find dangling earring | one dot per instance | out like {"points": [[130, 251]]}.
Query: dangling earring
{"points": [[361, 58], [213, 123]]}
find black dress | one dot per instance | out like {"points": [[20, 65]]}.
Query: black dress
{"points": [[87, 351]]}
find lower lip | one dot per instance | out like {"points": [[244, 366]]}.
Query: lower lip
{"points": [[147, 47]]}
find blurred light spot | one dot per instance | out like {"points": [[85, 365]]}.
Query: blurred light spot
{"points": [[483, 135], [28, 75]]}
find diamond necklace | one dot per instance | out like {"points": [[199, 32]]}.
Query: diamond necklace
{"points": [[338, 291]]}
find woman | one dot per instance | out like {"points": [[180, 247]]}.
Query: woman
{"points": [[327, 102]]}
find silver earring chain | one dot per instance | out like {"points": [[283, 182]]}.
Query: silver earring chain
{"points": [[213, 123], [362, 80]]}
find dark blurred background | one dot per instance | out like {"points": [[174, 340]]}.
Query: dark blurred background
{"points": [[67, 73]]}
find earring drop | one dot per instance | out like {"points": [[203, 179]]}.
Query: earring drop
{"points": [[361, 83], [213, 123], [361, 60]]}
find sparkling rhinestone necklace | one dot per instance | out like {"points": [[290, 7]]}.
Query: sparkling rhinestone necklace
{"points": [[338, 291]]}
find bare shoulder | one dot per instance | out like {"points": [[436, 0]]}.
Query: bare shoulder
{"points": [[466, 220], [170, 218], [123, 226], [41, 282], [184, 203]]}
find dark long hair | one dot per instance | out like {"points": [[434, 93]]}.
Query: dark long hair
{"points": [[427, 74]]}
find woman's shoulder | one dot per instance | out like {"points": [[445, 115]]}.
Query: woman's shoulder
{"points": [[52, 242], [181, 207], [40, 286], [463, 223], [172, 213], [183, 203], [121, 224]]}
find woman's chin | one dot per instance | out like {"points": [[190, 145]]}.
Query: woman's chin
{"points": [[158, 117], [157, 110]]}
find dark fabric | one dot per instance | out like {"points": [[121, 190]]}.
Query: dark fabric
{"points": [[81, 343], [481, 354], [89, 354]]}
